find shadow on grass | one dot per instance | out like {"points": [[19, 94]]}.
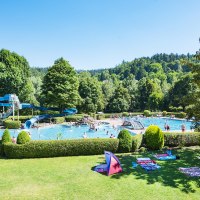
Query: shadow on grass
{"points": [[168, 174]]}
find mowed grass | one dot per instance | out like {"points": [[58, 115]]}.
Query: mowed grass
{"points": [[73, 178]]}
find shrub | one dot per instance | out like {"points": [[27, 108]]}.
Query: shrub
{"points": [[6, 137], [137, 142], [142, 150], [73, 118], [180, 115], [21, 118], [58, 120], [154, 137], [147, 113], [55, 148], [1, 149], [164, 113], [179, 139], [23, 137], [125, 141], [125, 114], [12, 124], [100, 116]]}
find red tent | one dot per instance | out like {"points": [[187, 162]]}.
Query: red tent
{"points": [[112, 165]]}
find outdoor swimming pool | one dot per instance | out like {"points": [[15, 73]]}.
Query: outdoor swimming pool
{"points": [[175, 124], [68, 132], [55, 132]]}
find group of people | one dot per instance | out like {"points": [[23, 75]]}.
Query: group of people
{"points": [[167, 127], [107, 132]]}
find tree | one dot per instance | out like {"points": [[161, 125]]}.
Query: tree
{"points": [[108, 89], [60, 85], [182, 91], [155, 101], [91, 93], [14, 75], [132, 85], [194, 109], [120, 101], [145, 88]]}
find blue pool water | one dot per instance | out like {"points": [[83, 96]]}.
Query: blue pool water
{"points": [[175, 124], [67, 132], [54, 132]]}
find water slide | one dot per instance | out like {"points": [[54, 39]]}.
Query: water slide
{"points": [[9, 100], [12, 101], [30, 122]]}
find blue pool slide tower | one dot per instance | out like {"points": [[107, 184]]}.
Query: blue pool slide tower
{"points": [[11, 102]]}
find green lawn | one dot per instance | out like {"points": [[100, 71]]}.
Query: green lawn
{"points": [[72, 178]]}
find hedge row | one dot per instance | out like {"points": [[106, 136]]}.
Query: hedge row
{"points": [[12, 124], [21, 118], [58, 120], [1, 149], [182, 139], [55, 148], [73, 118]]}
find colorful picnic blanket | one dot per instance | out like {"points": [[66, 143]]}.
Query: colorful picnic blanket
{"points": [[166, 156], [147, 164], [190, 171]]}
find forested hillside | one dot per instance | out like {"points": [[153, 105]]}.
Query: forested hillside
{"points": [[160, 82]]}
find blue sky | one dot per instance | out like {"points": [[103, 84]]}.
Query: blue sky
{"points": [[93, 34]]}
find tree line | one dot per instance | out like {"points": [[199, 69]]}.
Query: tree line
{"points": [[161, 82]]}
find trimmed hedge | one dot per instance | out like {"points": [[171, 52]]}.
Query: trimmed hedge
{"points": [[182, 139], [58, 120], [55, 148], [1, 149], [73, 118], [21, 118], [12, 124], [137, 142]]}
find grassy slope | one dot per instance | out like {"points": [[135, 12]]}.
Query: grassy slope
{"points": [[72, 178]]}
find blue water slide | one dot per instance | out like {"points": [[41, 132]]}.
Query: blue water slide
{"points": [[29, 123], [5, 102], [7, 97]]}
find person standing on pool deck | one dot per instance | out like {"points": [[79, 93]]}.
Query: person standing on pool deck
{"points": [[183, 127]]}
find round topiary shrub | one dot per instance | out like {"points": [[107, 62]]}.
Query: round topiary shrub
{"points": [[164, 113], [154, 137], [6, 137], [23, 137], [142, 150], [147, 113], [125, 141]]}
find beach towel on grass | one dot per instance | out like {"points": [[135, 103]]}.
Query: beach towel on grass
{"points": [[190, 171], [147, 164], [166, 156]]}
